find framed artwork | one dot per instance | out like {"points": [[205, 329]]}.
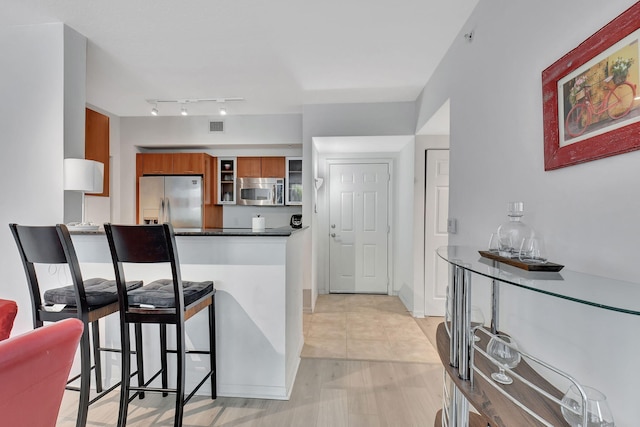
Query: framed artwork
{"points": [[591, 105]]}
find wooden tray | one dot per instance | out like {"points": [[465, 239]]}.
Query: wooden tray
{"points": [[529, 266]]}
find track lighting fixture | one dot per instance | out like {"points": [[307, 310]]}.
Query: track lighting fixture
{"points": [[183, 104]]}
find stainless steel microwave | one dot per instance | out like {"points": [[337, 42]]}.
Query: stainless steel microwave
{"points": [[260, 191]]}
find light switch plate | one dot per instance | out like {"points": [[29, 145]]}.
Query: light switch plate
{"points": [[452, 225]]}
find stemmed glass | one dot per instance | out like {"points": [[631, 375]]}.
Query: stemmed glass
{"points": [[598, 412], [504, 350]]}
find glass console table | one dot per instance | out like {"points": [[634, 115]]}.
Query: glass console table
{"points": [[531, 400]]}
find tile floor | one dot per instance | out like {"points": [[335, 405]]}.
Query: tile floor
{"points": [[366, 327]]}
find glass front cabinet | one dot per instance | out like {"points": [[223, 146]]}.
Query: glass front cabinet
{"points": [[227, 180], [293, 194]]}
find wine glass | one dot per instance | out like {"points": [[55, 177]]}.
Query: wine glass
{"points": [[598, 412], [504, 350], [477, 321]]}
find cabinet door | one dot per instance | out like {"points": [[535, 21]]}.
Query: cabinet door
{"points": [[96, 144], [273, 167], [226, 176], [294, 181], [157, 163], [188, 164], [249, 167]]}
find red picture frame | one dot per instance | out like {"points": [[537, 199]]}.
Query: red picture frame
{"points": [[561, 82]]}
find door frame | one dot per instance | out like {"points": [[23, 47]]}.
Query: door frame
{"points": [[324, 222], [426, 213]]}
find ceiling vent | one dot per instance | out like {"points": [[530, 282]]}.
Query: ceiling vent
{"points": [[217, 126]]}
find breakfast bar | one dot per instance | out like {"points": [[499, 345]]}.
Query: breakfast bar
{"points": [[258, 281]]}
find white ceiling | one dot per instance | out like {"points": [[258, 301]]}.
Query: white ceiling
{"points": [[279, 55]]}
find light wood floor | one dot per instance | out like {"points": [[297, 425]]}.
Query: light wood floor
{"points": [[350, 389]]}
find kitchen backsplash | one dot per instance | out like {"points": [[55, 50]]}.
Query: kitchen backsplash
{"points": [[275, 217]]}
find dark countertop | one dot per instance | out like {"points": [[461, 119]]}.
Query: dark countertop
{"points": [[281, 231], [271, 232]]}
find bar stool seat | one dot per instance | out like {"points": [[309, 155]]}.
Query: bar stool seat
{"points": [[99, 292], [160, 294]]}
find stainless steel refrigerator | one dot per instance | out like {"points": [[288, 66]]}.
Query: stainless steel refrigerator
{"points": [[174, 199]]}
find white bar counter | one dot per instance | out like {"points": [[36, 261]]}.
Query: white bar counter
{"points": [[258, 281]]}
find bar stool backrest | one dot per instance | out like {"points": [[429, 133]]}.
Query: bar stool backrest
{"points": [[143, 244], [48, 245]]}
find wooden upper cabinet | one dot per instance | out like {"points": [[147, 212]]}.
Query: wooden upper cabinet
{"points": [[261, 167], [96, 144], [249, 167], [188, 163], [156, 163], [273, 167]]}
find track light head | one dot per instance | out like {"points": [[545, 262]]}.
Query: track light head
{"points": [[154, 111], [183, 110], [223, 111]]}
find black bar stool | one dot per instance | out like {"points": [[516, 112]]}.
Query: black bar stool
{"points": [[88, 300], [163, 302]]}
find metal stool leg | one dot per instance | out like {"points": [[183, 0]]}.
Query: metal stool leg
{"points": [[95, 329], [126, 375], [180, 373], [163, 358], [85, 378], [212, 347], [139, 357]]}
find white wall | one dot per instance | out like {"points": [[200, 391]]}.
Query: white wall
{"points": [[403, 227], [399, 156], [39, 110], [589, 213], [422, 144], [107, 209], [75, 71], [342, 120]]}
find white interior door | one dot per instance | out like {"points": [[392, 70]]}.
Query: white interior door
{"points": [[358, 221], [436, 272]]}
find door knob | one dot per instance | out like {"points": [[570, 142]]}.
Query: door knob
{"points": [[333, 234], [333, 226]]}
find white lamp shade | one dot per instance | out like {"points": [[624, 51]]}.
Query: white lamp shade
{"points": [[83, 175]]}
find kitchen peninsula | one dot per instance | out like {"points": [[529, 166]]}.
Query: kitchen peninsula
{"points": [[258, 281]]}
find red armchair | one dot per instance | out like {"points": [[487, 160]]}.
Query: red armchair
{"points": [[8, 311], [34, 368]]}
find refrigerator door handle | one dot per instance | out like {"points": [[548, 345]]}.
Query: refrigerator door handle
{"points": [[167, 217], [161, 214]]}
